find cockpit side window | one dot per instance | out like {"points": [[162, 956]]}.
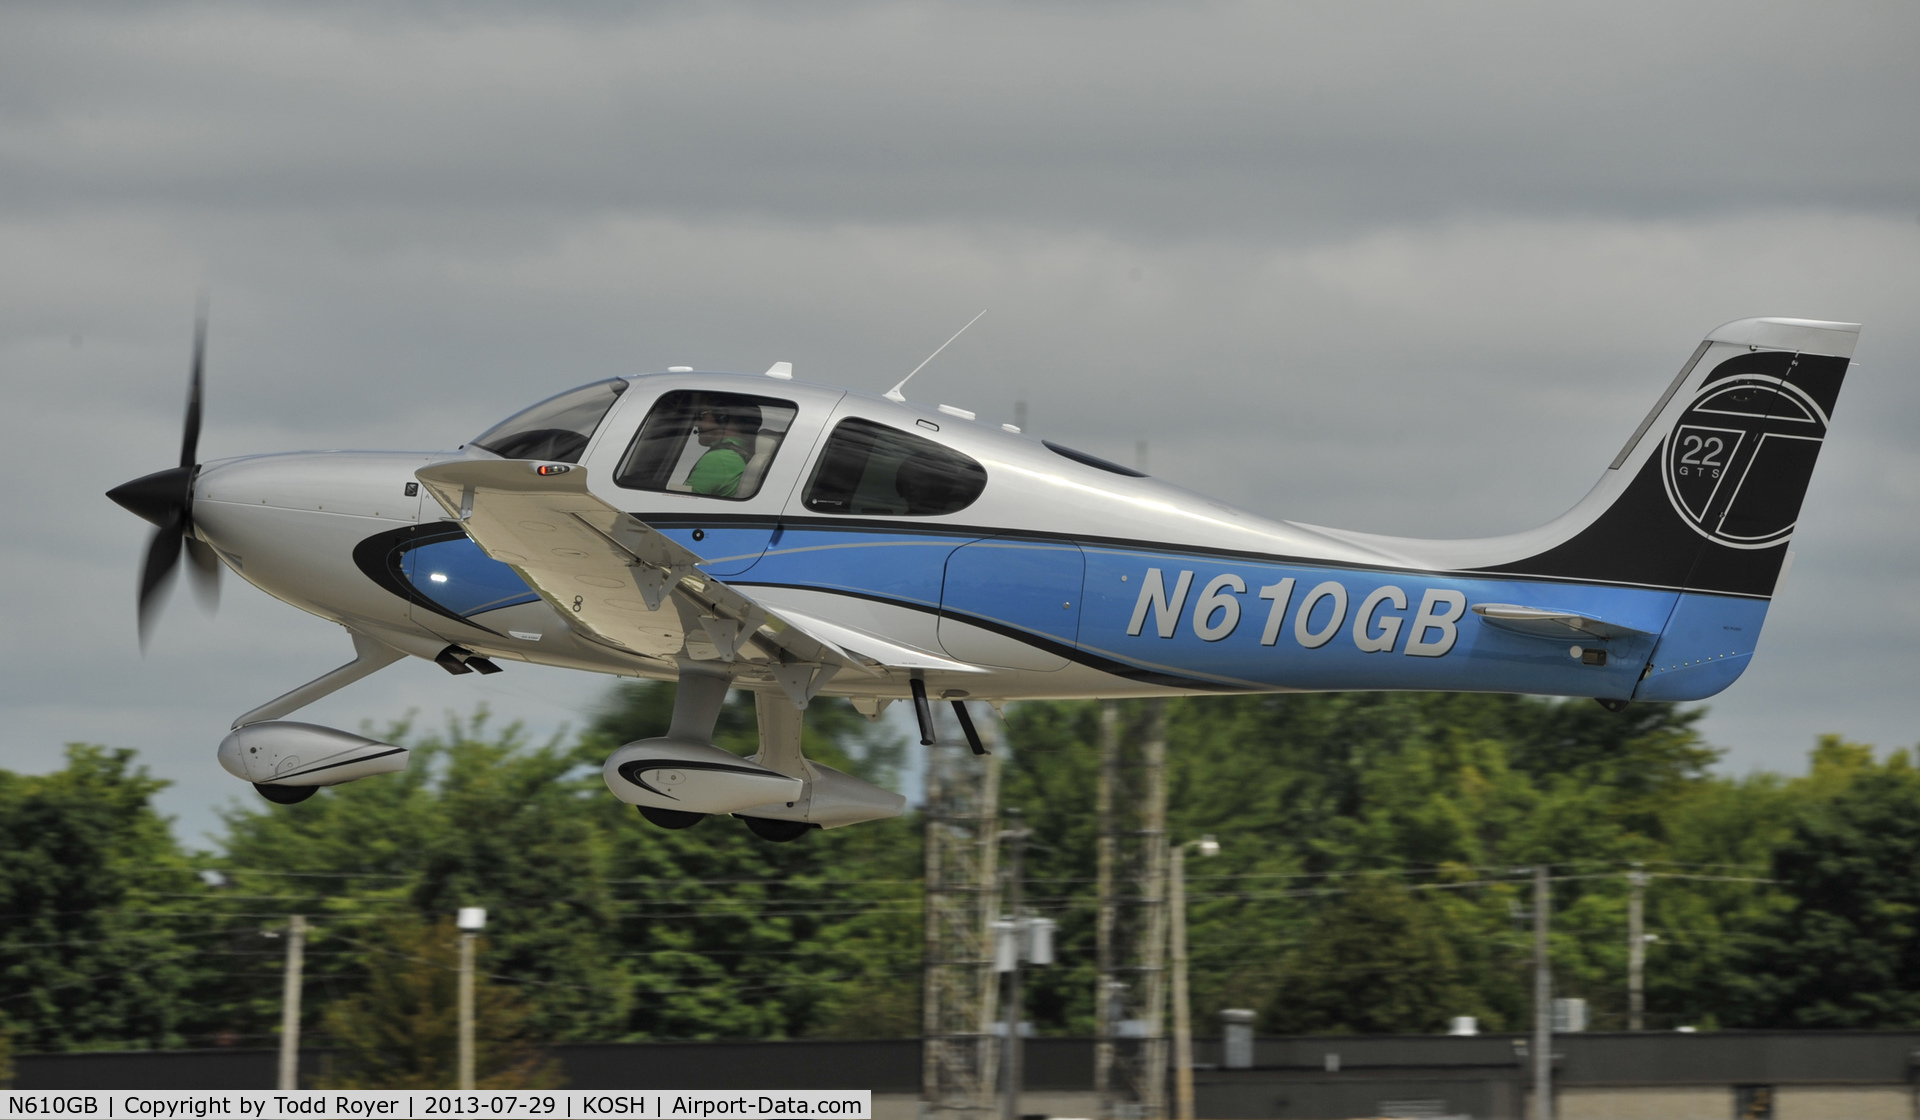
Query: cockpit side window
{"points": [[718, 445], [869, 468], [558, 428]]}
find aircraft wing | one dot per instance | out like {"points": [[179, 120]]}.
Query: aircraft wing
{"points": [[1539, 622], [621, 583]]}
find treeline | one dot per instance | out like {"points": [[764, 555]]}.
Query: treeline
{"points": [[1372, 878]]}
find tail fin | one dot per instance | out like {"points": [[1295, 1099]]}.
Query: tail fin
{"points": [[1706, 494]]}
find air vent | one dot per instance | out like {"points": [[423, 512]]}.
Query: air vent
{"points": [[1092, 460]]}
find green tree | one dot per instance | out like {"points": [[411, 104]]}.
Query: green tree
{"points": [[1367, 880], [1844, 948], [402, 1031], [477, 819], [615, 928], [730, 936], [1373, 962], [99, 941], [1446, 794]]}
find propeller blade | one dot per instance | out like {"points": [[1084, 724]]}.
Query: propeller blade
{"points": [[203, 572], [190, 442], [163, 555], [166, 499]]}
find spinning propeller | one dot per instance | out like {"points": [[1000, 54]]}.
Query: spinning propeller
{"points": [[166, 499]]}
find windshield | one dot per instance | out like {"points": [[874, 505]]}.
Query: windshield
{"points": [[556, 429]]}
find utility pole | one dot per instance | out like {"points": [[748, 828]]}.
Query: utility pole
{"points": [[1130, 1058], [471, 921], [1636, 950], [290, 1003], [1182, 1006], [1542, 999], [1013, 1069], [960, 986], [1104, 996]]}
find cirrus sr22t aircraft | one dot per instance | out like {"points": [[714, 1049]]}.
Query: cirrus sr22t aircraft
{"points": [[754, 531]]}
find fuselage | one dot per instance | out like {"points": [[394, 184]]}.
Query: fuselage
{"points": [[1062, 578]]}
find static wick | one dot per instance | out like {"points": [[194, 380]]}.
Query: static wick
{"points": [[894, 393]]}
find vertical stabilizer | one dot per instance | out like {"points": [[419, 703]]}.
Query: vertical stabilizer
{"points": [[1706, 493]]}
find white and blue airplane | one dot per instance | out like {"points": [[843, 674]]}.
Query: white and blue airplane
{"points": [[759, 532]]}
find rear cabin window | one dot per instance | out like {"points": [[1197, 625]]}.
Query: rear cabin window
{"points": [[717, 445], [558, 428], [869, 468]]}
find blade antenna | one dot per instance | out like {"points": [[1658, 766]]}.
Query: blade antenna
{"points": [[894, 393]]}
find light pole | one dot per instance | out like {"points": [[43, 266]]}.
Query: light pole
{"points": [[471, 921], [1182, 1007], [290, 1003]]}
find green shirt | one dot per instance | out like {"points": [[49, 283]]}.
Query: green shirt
{"points": [[718, 472]]}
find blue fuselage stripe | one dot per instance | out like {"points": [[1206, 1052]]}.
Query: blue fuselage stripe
{"points": [[1227, 621]]}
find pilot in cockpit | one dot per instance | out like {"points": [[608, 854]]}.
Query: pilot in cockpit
{"points": [[728, 431]]}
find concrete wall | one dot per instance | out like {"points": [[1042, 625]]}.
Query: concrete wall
{"points": [[1866, 1102], [1077, 1106], [1643, 1103]]}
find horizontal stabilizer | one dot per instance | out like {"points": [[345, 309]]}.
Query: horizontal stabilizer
{"points": [[1539, 622]]}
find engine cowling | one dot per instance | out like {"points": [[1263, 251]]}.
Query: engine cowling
{"points": [[284, 753]]}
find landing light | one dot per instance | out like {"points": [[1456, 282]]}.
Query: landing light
{"points": [[438, 577]]}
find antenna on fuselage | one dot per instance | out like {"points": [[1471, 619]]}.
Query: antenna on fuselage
{"points": [[894, 393]]}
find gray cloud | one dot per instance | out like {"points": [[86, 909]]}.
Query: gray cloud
{"points": [[1234, 119], [1403, 268]]}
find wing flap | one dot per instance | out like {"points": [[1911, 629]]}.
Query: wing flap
{"points": [[618, 581]]}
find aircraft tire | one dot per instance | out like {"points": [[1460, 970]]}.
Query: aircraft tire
{"points": [[286, 795], [670, 818], [777, 832]]}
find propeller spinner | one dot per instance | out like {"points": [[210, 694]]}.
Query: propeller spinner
{"points": [[165, 498]]}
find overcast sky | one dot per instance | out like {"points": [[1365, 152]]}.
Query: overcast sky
{"points": [[1407, 268]]}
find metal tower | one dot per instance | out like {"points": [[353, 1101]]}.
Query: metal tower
{"points": [[959, 1058], [1130, 1059]]}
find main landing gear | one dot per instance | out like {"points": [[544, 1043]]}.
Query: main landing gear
{"points": [[766, 828], [681, 778], [286, 795], [670, 818]]}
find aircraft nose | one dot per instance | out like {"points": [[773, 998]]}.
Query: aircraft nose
{"points": [[159, 497]]}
